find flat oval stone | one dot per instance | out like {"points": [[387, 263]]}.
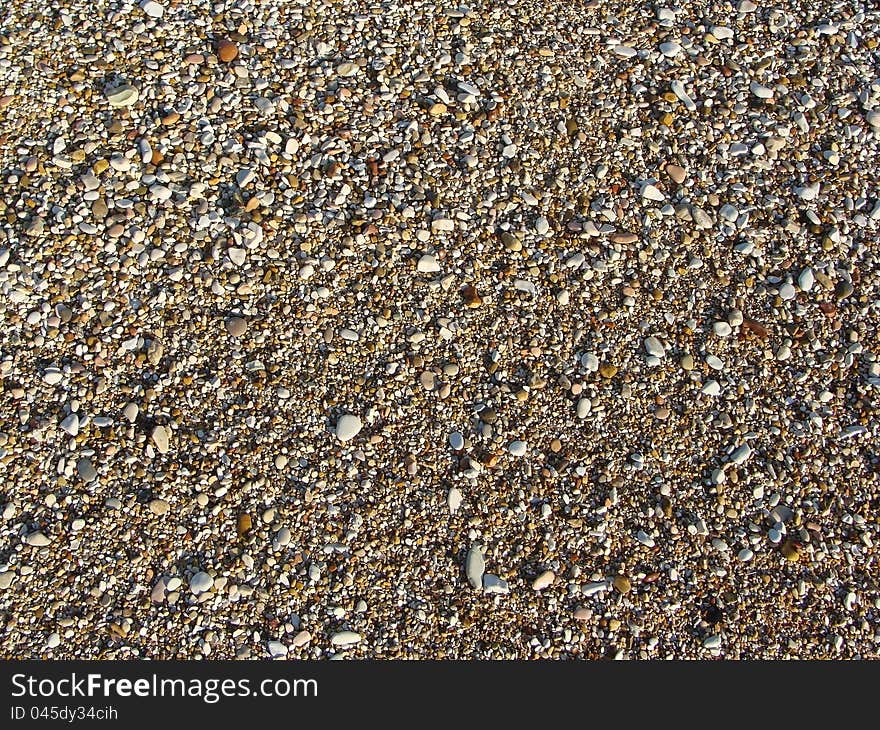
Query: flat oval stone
{"points": [[201, 582], [123, 96], [345, 638], [347, 427]]}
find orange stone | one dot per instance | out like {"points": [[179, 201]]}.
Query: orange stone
{"points": [[227, 51]]}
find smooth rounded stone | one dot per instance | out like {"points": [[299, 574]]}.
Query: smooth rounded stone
{"points": [[542, 226], [86, 470], [347, 427], [582, 614], [622, 584], [346, 70], [152, 8], [735, 318], [52, 376], [712, 642], [544, 580], [159, 506], [227, 51], [71, 424], [722, 329], [130, 411], [6, 579], [745, 555], [428, 380], [714, 362], [687, 362], [282, 538], [720, 545], [123, 96], [494, 584], [781, 513], [677, 173], [200, 583], [787, 291], [453, 500], [456, 441], [475, 567], [276, 649], [517, 448], [160, 439], [37, 539], [808, 192], [760, 91], [428, 264], [54, 640], [652, 192], [711, 387], [654, 347], [741, 454], [345, 638], [728, 213], [584, 406], [301, 639], [670, 49], [718, 476], [157, 595], [590, 362], [236, 326], [806, 279], [843, 290]]}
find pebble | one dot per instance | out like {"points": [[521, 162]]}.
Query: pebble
{"points": [[347, 427], [543, 581], [227, 51], [86, 470], [495, 585], [122, 96], [741, 454], [654, 347], [236, 326], [159, 506], [456, 441], [428, 264], [71, 424], [453, 500], [276, 649], [517, 448], [676, 173], [130, 411], [152, 9], [160, 439], [200, 583], [475, 566], [345, 638], [37, 539]]}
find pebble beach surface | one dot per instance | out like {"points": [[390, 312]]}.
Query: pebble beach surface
{"points": [[423, 330]]}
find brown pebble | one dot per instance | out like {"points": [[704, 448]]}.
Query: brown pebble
{"points": [[790, 551], [236, 326], [159, 506], [227, 51], [556, 446], [622, 584], [244, 524], [607, 370], [678, 174]]}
